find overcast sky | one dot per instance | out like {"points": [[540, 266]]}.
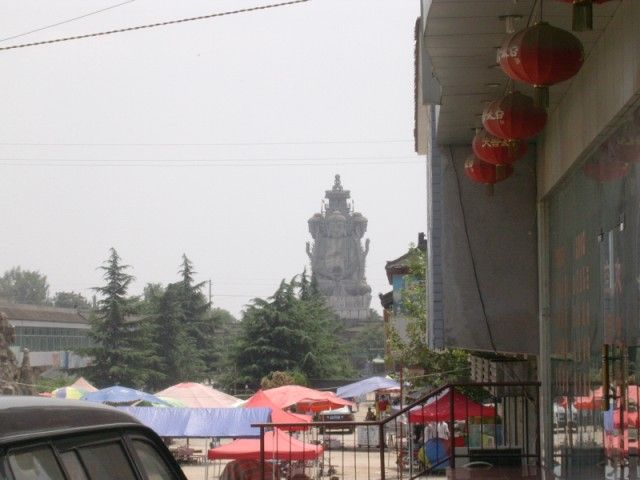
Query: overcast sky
{"points": [[215, 138]]}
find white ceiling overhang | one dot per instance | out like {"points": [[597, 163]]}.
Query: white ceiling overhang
{"points": [[461, 38]]}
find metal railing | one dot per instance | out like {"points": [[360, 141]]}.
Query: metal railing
{"points": [[454, 426]]}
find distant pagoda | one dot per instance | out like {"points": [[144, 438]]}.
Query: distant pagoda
{"points": [[338, 258]]}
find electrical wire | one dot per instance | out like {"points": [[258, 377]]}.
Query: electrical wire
{"points": [[153, 25], [204, 165], [514, 373], [66, 21], [211, 160], [471, 256]]}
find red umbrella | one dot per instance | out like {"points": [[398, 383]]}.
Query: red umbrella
{"points": [[630, 419], [289, 395], [439, 409], [278, 415], [278, 445], [589, 402]]}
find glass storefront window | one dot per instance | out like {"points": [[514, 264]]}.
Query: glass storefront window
{"points": [[594, 235]]}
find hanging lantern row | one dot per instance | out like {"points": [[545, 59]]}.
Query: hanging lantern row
{"points": [[541, 55], [498, 151], [514, 117], [582, 15]]}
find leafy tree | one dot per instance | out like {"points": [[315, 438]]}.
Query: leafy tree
{"points": [[221, 368], [293, 330], [70, 300], [120, 352], [24, 286], [279, 379], [46, 384], [440, 367], [173, 349]]}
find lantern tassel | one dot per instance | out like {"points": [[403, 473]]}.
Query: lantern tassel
{"points": [[541, 96], [582, 15]]}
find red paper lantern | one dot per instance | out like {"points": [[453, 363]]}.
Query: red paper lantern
{"points": [[541, 55], [582, 16], [624, 145], [486, 173], [497, 151], [606, 169], [514, 117]]}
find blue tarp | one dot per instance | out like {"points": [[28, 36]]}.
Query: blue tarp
{"points": [[368, 385], [201, 422]]}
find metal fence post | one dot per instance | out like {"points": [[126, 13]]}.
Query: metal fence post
{"points": [[261, 452], [381, 445]]}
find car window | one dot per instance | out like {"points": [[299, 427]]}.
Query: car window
{"points": [[154, 466], [35, 464], [106, 461], [73, 466]]}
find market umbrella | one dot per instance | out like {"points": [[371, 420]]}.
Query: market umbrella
{"points": [[278, 445], [438, 409], [367, 385], [590, 402], [196, 395], [288, 395], [278, 415], [71, 393], [122, 395], [172, 402], [83, 384]]}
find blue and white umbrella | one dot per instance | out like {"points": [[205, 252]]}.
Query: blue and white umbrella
{"points": [[122, 395]]}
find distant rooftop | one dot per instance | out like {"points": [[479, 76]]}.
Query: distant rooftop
{"points": [[41, 313]]}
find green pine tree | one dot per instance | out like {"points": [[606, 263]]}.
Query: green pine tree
{"points": [[120, 353], [291, 331], [199, 327]]}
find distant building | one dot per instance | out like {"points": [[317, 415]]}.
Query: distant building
{"points": [[338, 258], [398, 274], [49, 333]]}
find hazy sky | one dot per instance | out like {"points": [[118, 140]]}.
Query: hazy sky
{"points": [[215, 138]]}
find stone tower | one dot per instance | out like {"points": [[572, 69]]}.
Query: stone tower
{"points": [[338, 257]]}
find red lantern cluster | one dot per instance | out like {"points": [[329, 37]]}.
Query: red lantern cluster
{"points": [[541, 55], [514, 117], [582, 18], [486, 173], [497, 151]]}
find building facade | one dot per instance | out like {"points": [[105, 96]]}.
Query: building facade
{"points": [[50, 334], [338, 257], [547, 269], [399, 276]]}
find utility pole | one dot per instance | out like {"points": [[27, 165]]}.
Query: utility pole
{"points": [[209, 292]]}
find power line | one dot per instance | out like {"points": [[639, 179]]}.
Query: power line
{"points": [[153, 25], [205, 165], [218, 144], [209, 160], [66, 21]]}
